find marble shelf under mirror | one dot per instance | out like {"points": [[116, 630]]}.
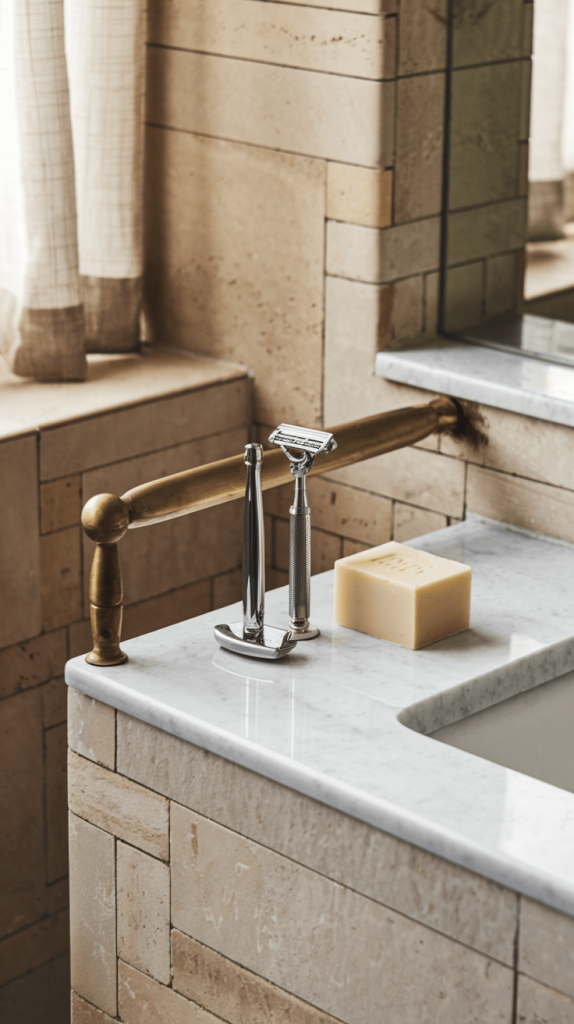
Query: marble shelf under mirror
{"points": [[324, 721]]}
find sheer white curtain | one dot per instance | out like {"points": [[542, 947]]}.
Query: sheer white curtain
{"points": [[71, 180]]}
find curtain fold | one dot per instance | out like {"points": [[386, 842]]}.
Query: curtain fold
{"points": [[71, 181]]}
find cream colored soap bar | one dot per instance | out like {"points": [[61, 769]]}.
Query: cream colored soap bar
{"points": [[399, 594]]}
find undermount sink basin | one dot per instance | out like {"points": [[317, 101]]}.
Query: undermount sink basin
{"points": [[532, 732]]}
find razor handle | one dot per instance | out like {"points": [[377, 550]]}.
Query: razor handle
{"points": [[299, 567]]}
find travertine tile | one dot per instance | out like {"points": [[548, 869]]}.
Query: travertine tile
{"points": [[370, 255], [487, 33], [286, 923], [334, 117], [118, 805], [22, 895], [456, 902], [57, 896], [236, 995], [432, 284], [227, 588], [143, 912], [484, 154], [500, 284], [235, 261], [546, 946], [93, 914], [145, 1001], [359, 195], [325, 550], [464, 295], [54, 700], [409, 522], [42, 994], [281, 544], [407, 311], [412, 475], [275, 578], [91, 728], [423, 31], [366, 6], [61, 578], [85, 1013], [34, 945], [352, 547], [60, 503], [353, 252], [20, 605], [339, 42], [525, 503], [28, 664], [537, 1004], [56, 803], [147, 427], [165, 609], [80, 638], [486, 231], [348, 512], [419, 152]]}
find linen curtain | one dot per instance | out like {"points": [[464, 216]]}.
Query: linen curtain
{"points": [[71, 181]]}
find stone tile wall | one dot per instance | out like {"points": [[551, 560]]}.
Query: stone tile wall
{"points": [[202, 891], [183, 568]]}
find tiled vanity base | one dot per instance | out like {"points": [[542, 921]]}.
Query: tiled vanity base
{"points": [[201, 891]]}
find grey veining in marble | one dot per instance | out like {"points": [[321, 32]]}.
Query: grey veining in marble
{"points": [[325, 720], [503, 380]]}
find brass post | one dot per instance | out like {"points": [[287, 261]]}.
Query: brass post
{"points": [[105, 519]]}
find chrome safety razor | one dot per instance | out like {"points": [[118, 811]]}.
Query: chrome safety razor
{"points": [[252, 636], [309, 443]]}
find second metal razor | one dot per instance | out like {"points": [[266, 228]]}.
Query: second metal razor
{"points": [[309, 443]]}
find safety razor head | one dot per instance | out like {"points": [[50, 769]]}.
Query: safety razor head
{"points": [[304, 439]]}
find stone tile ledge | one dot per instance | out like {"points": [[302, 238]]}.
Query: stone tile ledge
{"points": [[113, 382], [519, 384]]}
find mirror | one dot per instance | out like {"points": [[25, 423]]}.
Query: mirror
{"points": [[508, 211]]}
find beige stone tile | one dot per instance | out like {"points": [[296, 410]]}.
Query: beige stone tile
{"points": [[500, 284], [22, 895], [61, 577], [348, 512], [338, 42], [333, 117], [268, 538], [281, 547], [56, 803], [410, 249], [353, 252], [423, 30], [464, 295], [456, 902], [325, 550], [409, 522], [146, 427], [91, 728], [93, 914], [408, 309], [145, 1001], [60, 503], [486, 231], [390, 47], [432, 285], [524, 127], [231, 992], [80, 638], [227, 588], [54, 700], [388, 129], [525, 503], [278, 500], [484, 154], [355, 320], [372, 256], [412, 475], [20, 605], [352, 547], [537, 1004], [494, 35], [235, 262], [275, 578], [118, 805], [85, 1013], [546, 945], [165, 609], [286, 922], [419, 152], [28, 664], [359, 195], [57, 896], [366, 6], [143, 912], [33, 946]]}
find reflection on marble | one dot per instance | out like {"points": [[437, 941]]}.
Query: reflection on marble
{"points": [[503, 380], [325, 720]]}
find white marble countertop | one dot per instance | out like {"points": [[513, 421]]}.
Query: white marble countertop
{"points": [[324, 721], [504, 380]]}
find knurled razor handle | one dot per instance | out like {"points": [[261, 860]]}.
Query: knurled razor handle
{"points": [[299, 566]]}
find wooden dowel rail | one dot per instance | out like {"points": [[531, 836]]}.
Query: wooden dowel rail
{"points": [[106, 517]]}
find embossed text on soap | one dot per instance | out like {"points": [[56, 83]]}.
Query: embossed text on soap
{"points": [[408, 566]]}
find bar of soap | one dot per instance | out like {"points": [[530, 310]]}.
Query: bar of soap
{"points": [[409, 597]]}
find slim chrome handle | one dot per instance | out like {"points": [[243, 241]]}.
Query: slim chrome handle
{"points": [[253, 544], [299, 558]]}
